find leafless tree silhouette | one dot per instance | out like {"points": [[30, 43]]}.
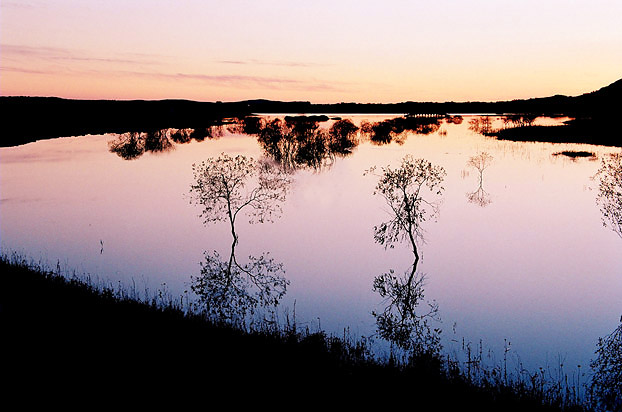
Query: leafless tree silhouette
{"points": [[610, 191], [405, 190], [224, 187], [606, 384], [480, 162]]}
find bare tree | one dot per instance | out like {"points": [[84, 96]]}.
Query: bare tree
{"points": [[606, 387], [480, 162], [606, 384], [158, 141], [221, 186], [224, 187], [481, 125], [610, 191], [296, 143], [128, 146], [406, 190]]}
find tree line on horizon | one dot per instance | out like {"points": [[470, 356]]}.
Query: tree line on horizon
{"points": [[31, 118]]}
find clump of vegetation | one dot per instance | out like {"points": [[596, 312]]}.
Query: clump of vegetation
{"points": [[298, 142], [396, 129], [575, 154]]}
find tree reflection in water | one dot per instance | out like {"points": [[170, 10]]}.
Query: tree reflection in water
{"points": [[396, 129], [606, 385], [132, 145], [481, 125], [298, 142], [224, 187], [295, 142], [407, 191], [128, 146], [480, 162], [610, 191], [343, 137]]}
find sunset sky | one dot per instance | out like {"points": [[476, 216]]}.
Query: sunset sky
{"points": [[319, 51]]}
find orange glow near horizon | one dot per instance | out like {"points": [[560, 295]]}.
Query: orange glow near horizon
{"points": [[323, 52]]}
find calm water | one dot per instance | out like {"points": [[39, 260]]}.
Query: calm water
{"points": [[523, 258]]}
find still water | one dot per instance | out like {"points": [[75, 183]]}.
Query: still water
{"points": [[518, 253]]}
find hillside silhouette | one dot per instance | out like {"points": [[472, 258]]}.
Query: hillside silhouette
{"points": [[593, 119], [31, 118]]}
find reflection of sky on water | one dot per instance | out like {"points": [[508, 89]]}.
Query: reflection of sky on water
{"points": [[534, 266]]}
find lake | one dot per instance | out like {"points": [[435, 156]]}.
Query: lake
{"points": [[516, 254]]}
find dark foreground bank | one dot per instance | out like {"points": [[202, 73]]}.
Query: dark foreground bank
{"points": [[71, 337]]}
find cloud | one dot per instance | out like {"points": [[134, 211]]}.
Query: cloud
{"points": [[68, 54], [32, 51], [16, 5], [46, 53], [243, 81], [22, 59], [21, 70], [270, 63]]}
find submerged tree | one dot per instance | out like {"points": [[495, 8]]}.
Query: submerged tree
{"points": [[293, 143], [224, 187], [481, 125], [454, 119], [518, 120], [610, 191], [128, 146], [406, 190], [480, 162], [158, 141], [397, 129], [298, 141], [132, 145], [181, 136], [342, 136], [606, 385]]}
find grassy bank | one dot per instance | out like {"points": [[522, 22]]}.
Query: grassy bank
{"points": [[67, 332]]}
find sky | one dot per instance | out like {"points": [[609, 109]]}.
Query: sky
{"points": [[319, 51]]}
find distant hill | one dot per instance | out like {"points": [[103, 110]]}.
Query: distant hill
{"points": [[611, 93], [594, 116], [604, 99]]}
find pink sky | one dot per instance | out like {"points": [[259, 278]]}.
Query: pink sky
{"points": [[320, 51]]}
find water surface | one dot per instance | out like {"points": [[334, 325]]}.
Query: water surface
{"points": [[520, 255]]}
